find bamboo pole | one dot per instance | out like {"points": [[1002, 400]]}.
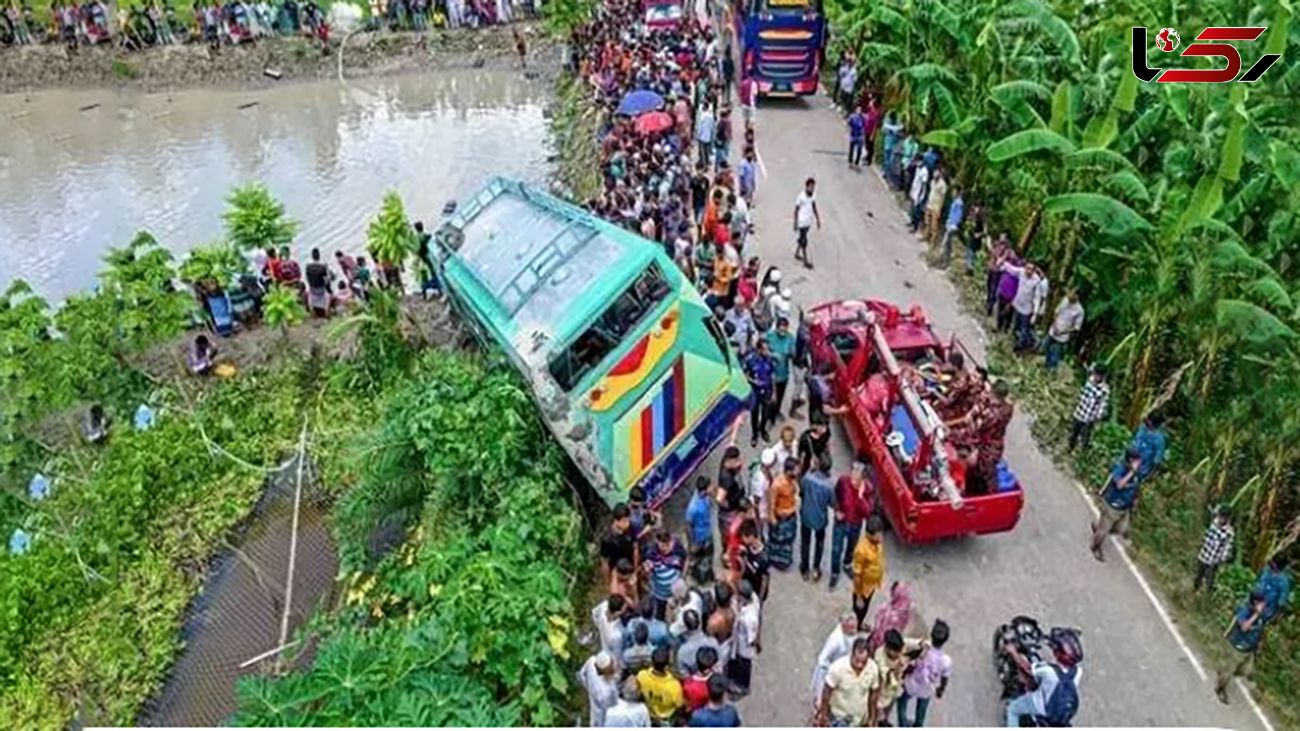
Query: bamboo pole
{"points": [[293, 544]]}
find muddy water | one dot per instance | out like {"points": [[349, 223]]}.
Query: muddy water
{"points": [[83, 171], [237, 617]]}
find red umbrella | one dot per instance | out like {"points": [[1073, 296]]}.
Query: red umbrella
{"points": [[648, 124]]}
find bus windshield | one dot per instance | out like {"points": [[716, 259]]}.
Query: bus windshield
{"points": [[569, 366]]}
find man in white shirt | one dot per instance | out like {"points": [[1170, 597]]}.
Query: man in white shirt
{"points": [[805, 215], [1029, 302], [746, 635], [704, 128], [628, 711], [920, 189], [762, 479], [1068, 320], [848, 82], [599, 677], [605, 616], [852, 689]]}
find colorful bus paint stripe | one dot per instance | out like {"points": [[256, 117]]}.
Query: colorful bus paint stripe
{"points": [[637, 365], [647, 436], [660, 421]]}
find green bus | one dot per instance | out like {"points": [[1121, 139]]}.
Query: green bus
{"points": [[631, 373]]}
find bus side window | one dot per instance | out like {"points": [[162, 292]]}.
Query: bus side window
{"points": [[719, 337], [609, 328]]}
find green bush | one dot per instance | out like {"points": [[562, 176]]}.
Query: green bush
{"points": [[468, 622]]}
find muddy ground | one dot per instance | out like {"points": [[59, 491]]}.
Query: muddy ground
{"points": [[28, 68]]}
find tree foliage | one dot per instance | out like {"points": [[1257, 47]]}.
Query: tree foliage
{"points": [[390, 238], [467, 622], [256, 220]]}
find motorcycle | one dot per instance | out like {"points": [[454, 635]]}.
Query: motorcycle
{"points": [[1032, 643]]}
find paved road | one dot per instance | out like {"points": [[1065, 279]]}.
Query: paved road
{"points": [[1135, 673]]}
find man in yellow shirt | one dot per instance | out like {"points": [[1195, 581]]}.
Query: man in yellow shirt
{"points": [[851, 694], [868, 567], [661, 690]]}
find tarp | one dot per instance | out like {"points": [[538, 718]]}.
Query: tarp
{"points": [[640, 102]]}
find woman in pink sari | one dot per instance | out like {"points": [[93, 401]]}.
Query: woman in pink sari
{"points": [[896, 614]]}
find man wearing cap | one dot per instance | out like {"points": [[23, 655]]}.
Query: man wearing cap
{"points": [[599, 677], [761, 478]]}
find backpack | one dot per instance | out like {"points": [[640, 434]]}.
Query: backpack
{"points": [[1064, 702]]}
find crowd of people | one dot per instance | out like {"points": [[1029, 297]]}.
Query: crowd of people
{"points": [[678, 636], [156, 23]]}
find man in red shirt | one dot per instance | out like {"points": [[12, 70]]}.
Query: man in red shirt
{"points": [[734, 544], [695, 689], [855, 500]]}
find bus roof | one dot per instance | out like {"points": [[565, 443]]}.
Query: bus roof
{"points": [[545, 265]]}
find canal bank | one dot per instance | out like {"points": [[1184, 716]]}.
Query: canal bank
{"points": [[272, 62]]}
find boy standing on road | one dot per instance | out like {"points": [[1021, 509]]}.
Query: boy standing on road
{"points": [[1117, 500], [1216, 549], [805, 214], [1094, 400]]}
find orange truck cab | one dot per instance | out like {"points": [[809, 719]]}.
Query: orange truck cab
{"points": [[868, 348]]}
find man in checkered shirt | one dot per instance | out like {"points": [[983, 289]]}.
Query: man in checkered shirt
{"points": [[1216, 549], [1094, 400]]}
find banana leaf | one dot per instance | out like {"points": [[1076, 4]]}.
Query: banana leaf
{"points": [[1112, 216], [1027, 142], [1252, 323]]}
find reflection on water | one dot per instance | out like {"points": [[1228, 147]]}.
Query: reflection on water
{"points": [[83, 171]]}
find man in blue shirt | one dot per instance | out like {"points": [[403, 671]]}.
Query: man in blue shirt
{"points": [[782, 343], [699, 523], [893, 131], [1243, 635], [1150, 442], [1118, 497], [956, 212], [930, 159], [748, 176], [760, 369], [857, 135], [816, 494], [1275, 584]]}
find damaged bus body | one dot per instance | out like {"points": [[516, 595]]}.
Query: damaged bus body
{"points": [[630, 372]]}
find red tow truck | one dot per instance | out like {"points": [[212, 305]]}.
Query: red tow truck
{"points": [[918, 473]]}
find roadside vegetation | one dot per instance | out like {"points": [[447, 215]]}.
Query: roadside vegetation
{"points": [[1173, 209], [438, 450]]}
